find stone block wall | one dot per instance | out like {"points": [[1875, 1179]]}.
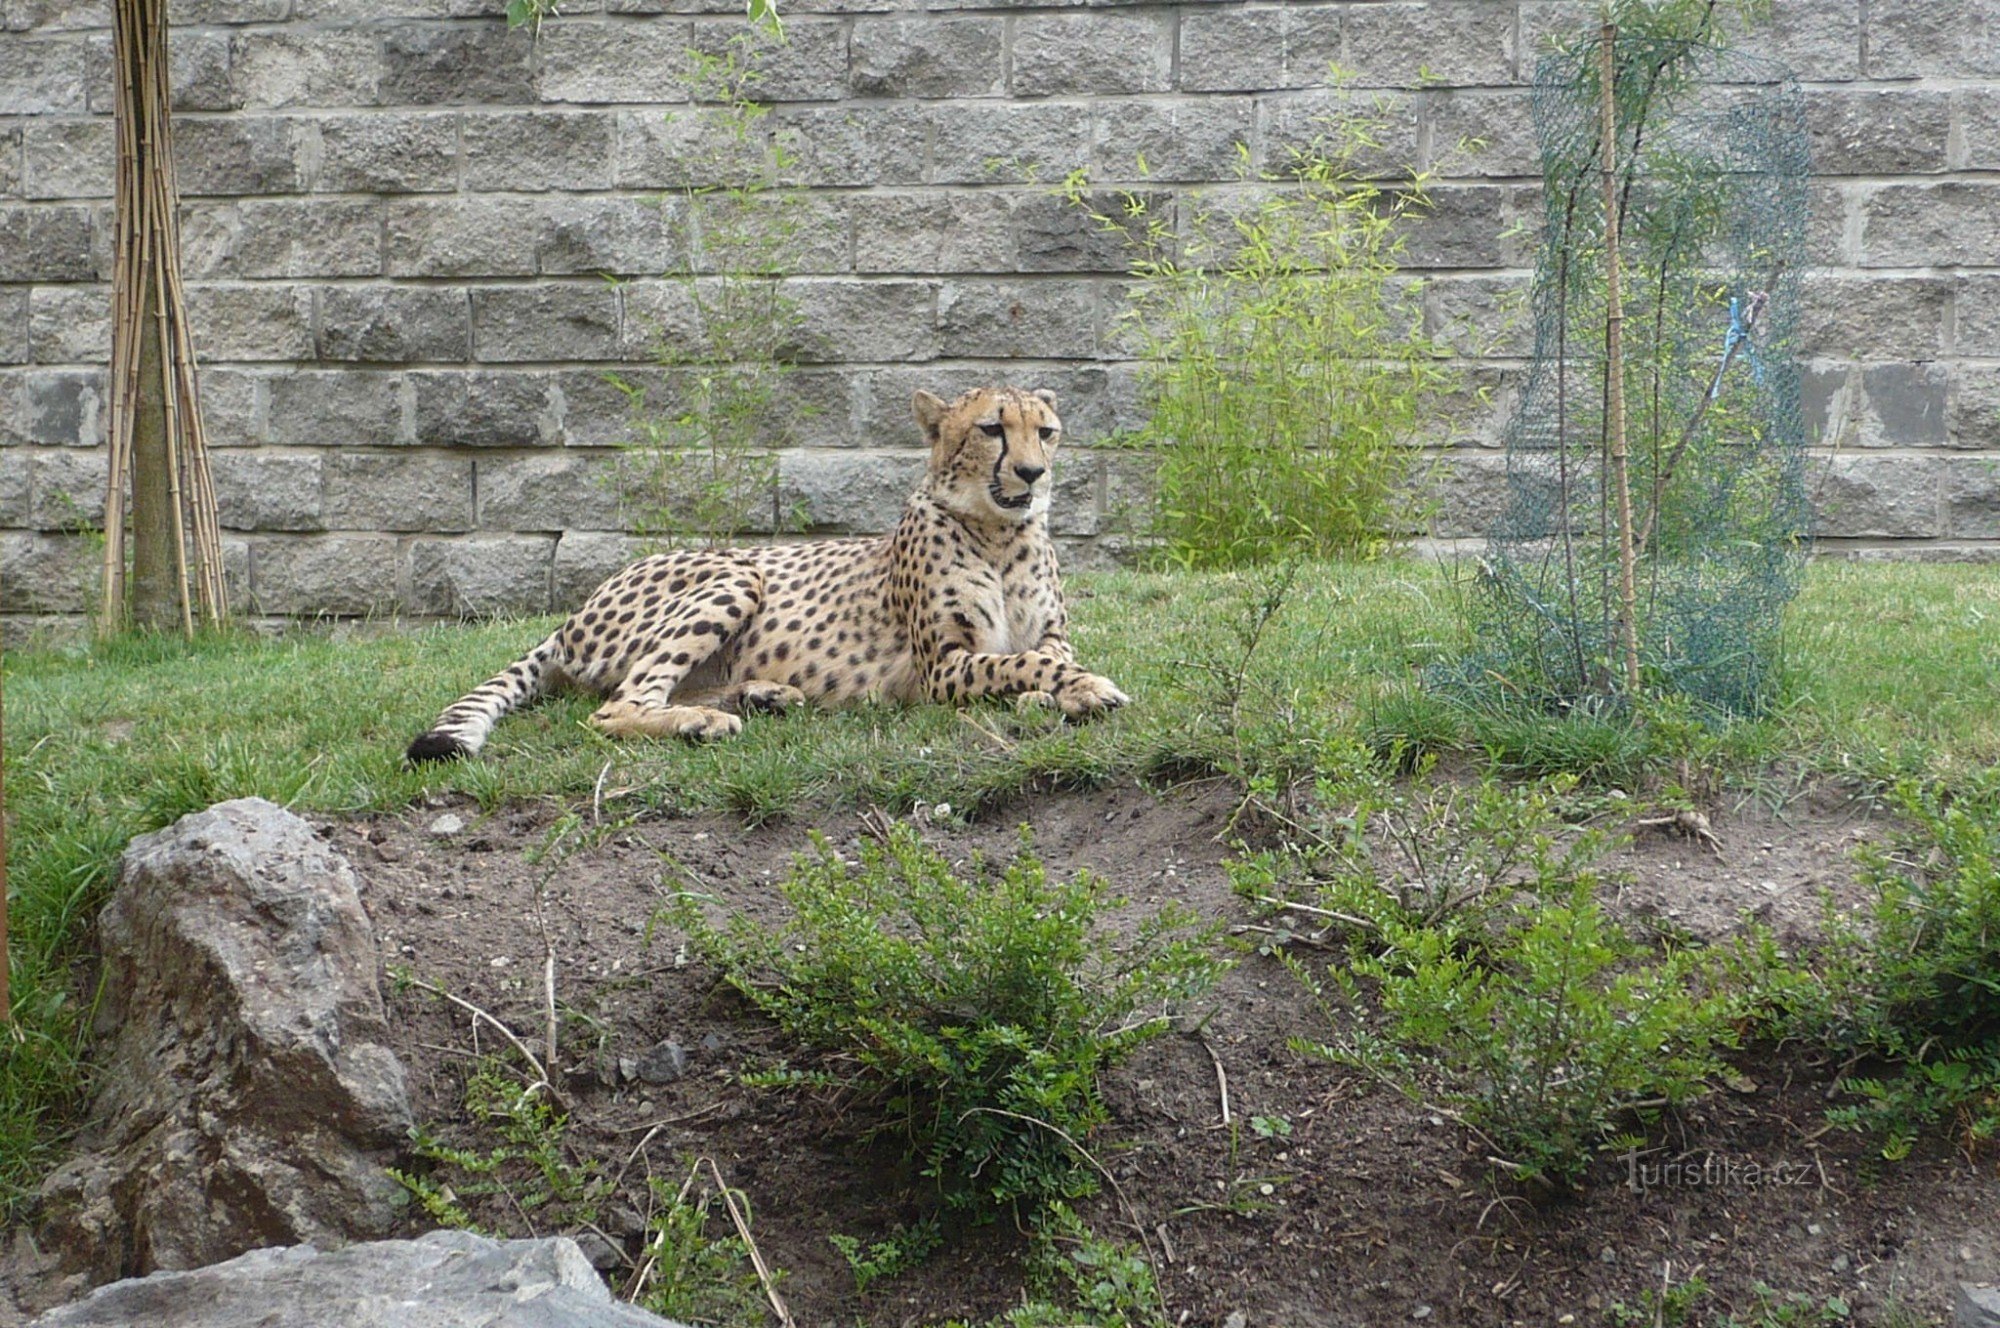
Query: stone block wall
{"points": [[399, 217]]}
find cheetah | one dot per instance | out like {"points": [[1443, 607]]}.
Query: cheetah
{"points": [[961, 600]]}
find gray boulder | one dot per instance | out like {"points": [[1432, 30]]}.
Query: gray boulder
{"points": [[245, 1095], [1978, 1306], [448, 1279]]}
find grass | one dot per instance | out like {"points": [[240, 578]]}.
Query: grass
{"points": [[1892, 669]]}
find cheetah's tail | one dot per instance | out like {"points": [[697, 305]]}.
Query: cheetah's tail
{"points": [[461, 730]]}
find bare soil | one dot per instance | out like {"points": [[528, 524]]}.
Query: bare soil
{"points": [[1377, 1212]]}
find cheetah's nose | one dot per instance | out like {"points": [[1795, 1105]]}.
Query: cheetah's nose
{"points": [[1029, 474]]}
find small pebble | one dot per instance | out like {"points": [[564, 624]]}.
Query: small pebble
{"points": [[1841, 1263], [663, 1063], [1421, 1312], [447, 825], [603, 1255]]}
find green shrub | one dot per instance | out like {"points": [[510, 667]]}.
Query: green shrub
{"points": [[974, 1012], [1285, 362], [1914, 986], [1543, 1039]]}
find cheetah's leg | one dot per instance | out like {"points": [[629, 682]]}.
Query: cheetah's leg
{"points": [[751, 696], [461, 730], [958, 673], [685, 636]]}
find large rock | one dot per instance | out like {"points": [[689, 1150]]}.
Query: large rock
{"points": [[448, 1279], [246, 1098], [1977, 1306]]}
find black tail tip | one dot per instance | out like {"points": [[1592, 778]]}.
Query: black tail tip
{"points": [[436, 746]]}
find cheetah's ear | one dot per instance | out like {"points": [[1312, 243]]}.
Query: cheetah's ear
{"points": [[1048, 397], [930, 413]]}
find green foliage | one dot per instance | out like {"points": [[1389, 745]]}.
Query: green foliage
{"points": [[1541, 1039], [1672, 1306], [1914, 987], [1081, 1280], [695, 1267], [1285, 362], [885, 1259], [702, 467], [532, 1166], [763, 14], [974, 1012]]}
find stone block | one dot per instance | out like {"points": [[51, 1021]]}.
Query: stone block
{"points": [[622, 236], [461, 237], [594, 408], [809, 65], [1819, 40], [1091, 54], [485, 409], [239, 155], [16, 491], [16, 325], [1931, 225], [1010, 320], [678, 149], [1977, 314], [1903, 405], [592, 63], [511, 324], [200, 69], [250, 322], [258, 490], [849, 493], [404, 10], [1163, 141], [1054, 235], [1827, 393], [47, 16], [549, 491], [1475, 133], [12, 185], [48, 573], [42, 76], [923, 57], [215, 13], [1480, 316], [934, 231], [69, 485], [69, 324], [1881, 497], [394, 324], [524, 151], [1232, 50], [1314, 47], [1973, 407], [336, 408], [1874, 317], [866, 320], [311, 67], [54, 407], [857, 144], [67, 158], [661, 320], [808, 230], [1935, 39], [337, 575], [234, 407], [46, 242], [585, 559], [1475, 225], [1471, 494], [382, 152], [1894, 131], [1977, 137], [1008, 144], [1972, 498], [398, 491], [1464, 43], [1311, 123], [282, 237], [458, 63], [482, 577]]}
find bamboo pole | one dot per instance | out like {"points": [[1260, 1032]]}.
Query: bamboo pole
{"points": [[157, 443], [1614, 363], [6, 960]]}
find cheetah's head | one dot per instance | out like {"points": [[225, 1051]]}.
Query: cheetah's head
{"points": [[991, 451]]}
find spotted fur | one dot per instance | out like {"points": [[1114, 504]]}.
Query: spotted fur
{"points": [[962, 600]]}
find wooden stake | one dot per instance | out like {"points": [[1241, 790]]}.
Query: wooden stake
{"points": [[1614, 365], [6, 962]]}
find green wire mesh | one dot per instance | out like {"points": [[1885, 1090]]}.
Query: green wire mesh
{"points": [[1712, 167]]}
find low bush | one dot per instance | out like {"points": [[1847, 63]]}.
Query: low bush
{"points": [[972, 1013]]}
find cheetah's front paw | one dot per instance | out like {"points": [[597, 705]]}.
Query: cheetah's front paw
{"points": [[1084, 695], [626, 719], [766, 697]]}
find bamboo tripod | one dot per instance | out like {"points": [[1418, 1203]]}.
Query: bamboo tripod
{"points": [[157, 444]]}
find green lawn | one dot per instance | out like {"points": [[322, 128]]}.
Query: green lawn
{"points": [[1891, 668]]}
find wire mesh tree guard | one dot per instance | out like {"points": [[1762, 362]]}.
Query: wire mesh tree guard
{"points": [[1657, 518]]}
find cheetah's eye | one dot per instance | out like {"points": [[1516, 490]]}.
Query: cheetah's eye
{"points": [[993, 430], [1047, 432]]}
